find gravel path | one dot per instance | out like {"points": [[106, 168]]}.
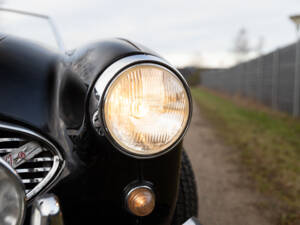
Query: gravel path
{"points": [[224, 196]]}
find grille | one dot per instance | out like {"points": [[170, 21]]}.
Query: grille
{"points": [[38, 168]]}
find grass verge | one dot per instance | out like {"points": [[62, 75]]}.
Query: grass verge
{"points": [[269, 145]]}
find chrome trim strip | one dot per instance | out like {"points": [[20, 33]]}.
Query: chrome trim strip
{"points": [[104, 81], [34, 170], [41, 159], [32, 181], [58, 162], [10, 139]]}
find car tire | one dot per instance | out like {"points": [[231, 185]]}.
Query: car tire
{"points": [[187, 202]]}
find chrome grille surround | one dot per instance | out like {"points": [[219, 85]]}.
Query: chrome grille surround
{"points": [[40, 171]]}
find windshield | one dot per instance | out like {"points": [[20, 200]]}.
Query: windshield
{"points": [[35, 27]]}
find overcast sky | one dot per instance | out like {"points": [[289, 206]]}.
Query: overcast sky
{"points": [[184, 32]]}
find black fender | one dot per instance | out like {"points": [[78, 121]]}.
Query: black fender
{"points": [[47, 92], [116, 169], [36, 89]]}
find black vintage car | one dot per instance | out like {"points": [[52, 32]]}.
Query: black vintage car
{"points": [[100, 128]]}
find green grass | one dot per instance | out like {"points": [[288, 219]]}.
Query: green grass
{"points": [[269, 147]]}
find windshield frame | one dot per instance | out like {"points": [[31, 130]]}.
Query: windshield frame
{"points": [[58, 39]]}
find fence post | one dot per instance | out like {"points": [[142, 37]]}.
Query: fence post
{"points": [[275, 77], [297, 81], [259, 78], [245, 88], [240, 76]]}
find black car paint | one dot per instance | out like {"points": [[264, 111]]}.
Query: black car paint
{"points": [[48, 92], [31, 90]]}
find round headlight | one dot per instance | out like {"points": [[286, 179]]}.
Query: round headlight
{"points": [[145, 108], [12, 196]]}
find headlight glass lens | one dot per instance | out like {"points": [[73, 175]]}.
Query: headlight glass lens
{"points": [[12, 198], [146, 109]]}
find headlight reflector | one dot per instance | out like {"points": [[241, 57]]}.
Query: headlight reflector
{"points": [[146, 109], [12, 196]]}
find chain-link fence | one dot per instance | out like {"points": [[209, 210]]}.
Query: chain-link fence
{"points": [[269, 79]]}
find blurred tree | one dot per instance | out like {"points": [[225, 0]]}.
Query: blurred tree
{"points": [[241, 46]]}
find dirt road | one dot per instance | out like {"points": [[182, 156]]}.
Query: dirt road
{"points": [[224, 196]]}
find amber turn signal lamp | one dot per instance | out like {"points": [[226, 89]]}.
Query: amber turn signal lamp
{"points": [[140, 201]]}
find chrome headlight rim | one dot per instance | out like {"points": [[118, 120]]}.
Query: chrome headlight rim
{"points": [[105, 80], [19, 185]]}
